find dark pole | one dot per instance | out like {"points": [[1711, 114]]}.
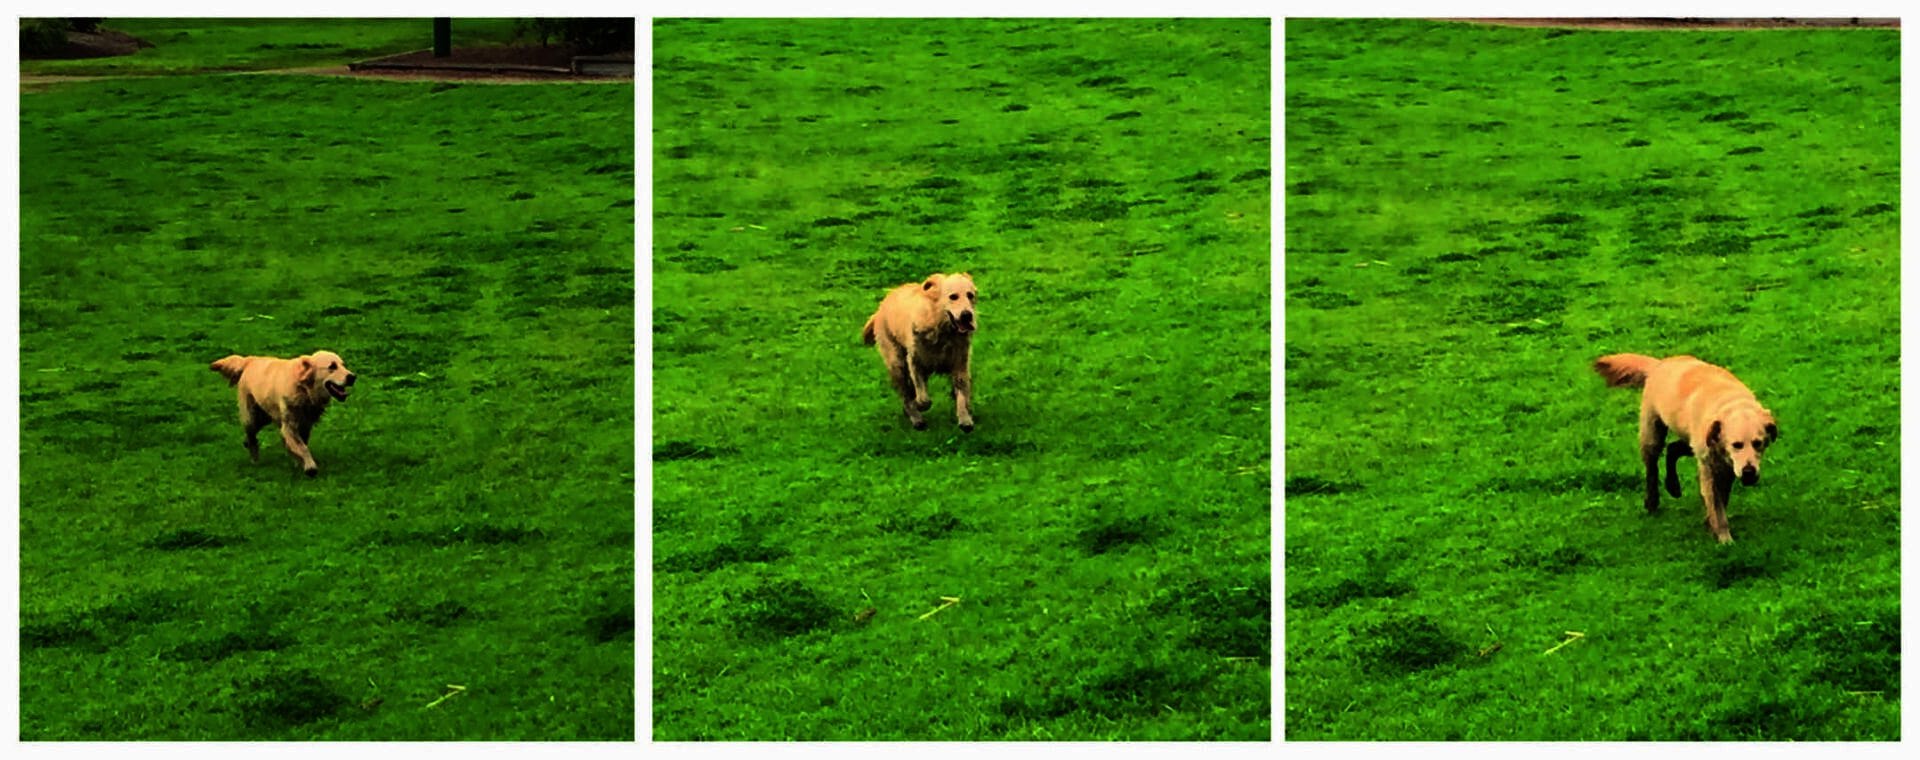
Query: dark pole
{"points": [[442, 37]]}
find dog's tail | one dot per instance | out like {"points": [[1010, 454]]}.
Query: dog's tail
{"points": [[866, 333], [231, 367], [1625, 370]]}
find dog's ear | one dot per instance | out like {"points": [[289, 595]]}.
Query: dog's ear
{"points": [[1713, 434], [1773, 431], [306, 369], [933, 281]]}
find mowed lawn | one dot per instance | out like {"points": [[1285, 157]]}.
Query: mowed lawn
{"points": [[1106, 527], [468, 251], [1473, 215]]}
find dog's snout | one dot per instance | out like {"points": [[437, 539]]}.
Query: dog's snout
{"points": [[966, 316], [351, 377], [1750, 475]]}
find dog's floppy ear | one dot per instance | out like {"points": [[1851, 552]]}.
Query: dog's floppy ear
{"points": [[1773, 431], [1713, 434], [933, 281], [306, 369]]}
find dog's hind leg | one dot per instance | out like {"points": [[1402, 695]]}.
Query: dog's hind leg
{"points": [[1653, 436], [1675, 451], [252, 418]]}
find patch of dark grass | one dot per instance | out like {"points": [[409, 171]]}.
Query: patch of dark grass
{"points": [[1876, 209], [1560, 559], [1766, 719], [741, 549], [611, 620], [929, 526], [480, 533], [1368, 585], [1857, 652], [229, 644], [1407, 644], [439, 614], [780, 608], [1231, 618], [291, 698], [1596, 480], [190, 538], [1108, 534], [673, 451], [1739, 564], [61, 633], [1311, 485]]}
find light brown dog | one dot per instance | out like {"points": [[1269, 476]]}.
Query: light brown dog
{"points": [[291, 392], [927, 329], [1718, 421]]}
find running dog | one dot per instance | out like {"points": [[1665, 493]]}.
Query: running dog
{"points": [[290, 392], [924, 329]]}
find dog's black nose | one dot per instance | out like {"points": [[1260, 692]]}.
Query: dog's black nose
{"points": [[1749, 476], [966, 316], [351, 377]]}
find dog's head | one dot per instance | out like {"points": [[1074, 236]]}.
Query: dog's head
{"points": [[1742, 436], [954, 296], [324, 371]]}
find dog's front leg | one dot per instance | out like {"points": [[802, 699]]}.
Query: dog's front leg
{"points": [[963, 396], [1715, 487], [298, 448], [918, 376]]}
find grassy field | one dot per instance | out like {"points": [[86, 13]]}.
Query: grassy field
{"points": [[468, 251], [1106, 527], [187, 45], [1473, 215]]}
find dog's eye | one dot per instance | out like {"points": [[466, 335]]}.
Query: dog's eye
{"points": [[1738, 445], [954, 297], [335, 365], [970, 296]]}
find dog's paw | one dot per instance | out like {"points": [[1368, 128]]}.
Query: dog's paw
{"points": [[919, 424], [312, 471], [966, 427]]}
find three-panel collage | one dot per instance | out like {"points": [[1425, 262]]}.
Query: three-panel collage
{"points": [[906, 379]]}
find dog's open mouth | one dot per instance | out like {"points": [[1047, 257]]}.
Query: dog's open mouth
{"points": [[339, 391]]}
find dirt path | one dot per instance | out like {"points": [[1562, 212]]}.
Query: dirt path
{"points": [[1689, 24], [41, 82]]}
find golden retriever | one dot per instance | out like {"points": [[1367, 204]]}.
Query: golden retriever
{"points": [[925, 329], [291, 392], [1718, 421]]}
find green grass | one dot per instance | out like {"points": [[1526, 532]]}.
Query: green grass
{"points": [[1106, 526], [1473, 215], [189, 45], [468, 251]]}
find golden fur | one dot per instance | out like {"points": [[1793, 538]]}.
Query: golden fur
{"points": [[924, 329], [291, 392], [1717, 420]]}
